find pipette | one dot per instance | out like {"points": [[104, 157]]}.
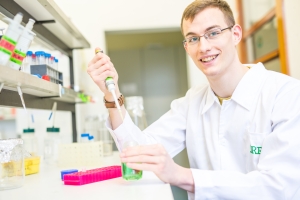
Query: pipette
{"points": [[21, 97], [23, 103], [110, 85]]}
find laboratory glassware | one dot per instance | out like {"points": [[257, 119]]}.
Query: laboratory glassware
{"points": [[135, 109], [128, 173]]}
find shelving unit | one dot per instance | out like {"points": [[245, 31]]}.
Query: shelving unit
{"points": [[55, 29]]}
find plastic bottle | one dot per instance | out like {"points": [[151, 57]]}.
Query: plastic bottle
{"points": [[1, 29], [37, 57], [51, 144], [22, 46], [47, 58], [40, 57], [27, 62], [10, 38], [33, 59], [51, 62], [30, 141], [55, 64], [128, 173]]}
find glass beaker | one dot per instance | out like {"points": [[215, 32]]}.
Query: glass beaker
{"points": [[135, 109], [128, 173], [11, 164]]}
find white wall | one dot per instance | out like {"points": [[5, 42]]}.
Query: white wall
{"points": [[93, 17], [291, 12], [100, 16]]}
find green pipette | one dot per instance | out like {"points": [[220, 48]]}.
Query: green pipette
{"points": [[110, 85]]}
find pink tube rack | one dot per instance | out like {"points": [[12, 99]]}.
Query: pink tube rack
{"points": [[93, 175]]}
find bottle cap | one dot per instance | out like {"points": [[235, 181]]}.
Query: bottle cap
{"points": [[18, 17], [47, 55], [85, 135], [28, 130], [29, 24], [53, 130], [29, 53]]}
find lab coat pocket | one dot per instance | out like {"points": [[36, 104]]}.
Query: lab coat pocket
{"points": [[253, 148]]}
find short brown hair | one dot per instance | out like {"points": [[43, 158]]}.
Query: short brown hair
{"points": [[199, 5]]}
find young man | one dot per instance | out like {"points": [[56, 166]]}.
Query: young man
{"points": [[241, 131]]}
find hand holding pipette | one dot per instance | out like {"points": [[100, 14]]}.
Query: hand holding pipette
{"points": [[110, 85]]}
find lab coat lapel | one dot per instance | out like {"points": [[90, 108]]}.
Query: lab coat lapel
{"points": [[250, 85]]}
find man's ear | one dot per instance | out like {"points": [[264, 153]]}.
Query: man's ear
{"points": [[237, 34]]}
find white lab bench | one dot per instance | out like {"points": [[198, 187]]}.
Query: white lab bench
{"points": [[47, 185]]}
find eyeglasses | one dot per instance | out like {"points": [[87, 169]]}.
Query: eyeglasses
{"points": [[209, 35]]}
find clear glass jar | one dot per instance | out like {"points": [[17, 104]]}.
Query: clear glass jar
{"points": [[135, 109], [11, 164]]}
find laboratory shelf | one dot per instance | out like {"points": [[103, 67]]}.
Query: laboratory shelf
{"points": [[68, 95], [62, 27], [56, 31], [35, 86], [28, 83], [52, 26]]}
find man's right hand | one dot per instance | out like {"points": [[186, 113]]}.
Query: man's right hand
{"points": [[99, 68]]}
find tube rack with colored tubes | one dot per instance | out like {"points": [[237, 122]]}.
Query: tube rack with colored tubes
{"points": [[93, 175]]}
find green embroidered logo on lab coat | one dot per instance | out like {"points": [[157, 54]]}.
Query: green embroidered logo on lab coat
{"points": [[255, 149]]}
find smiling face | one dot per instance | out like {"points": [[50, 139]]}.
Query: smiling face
{"points": [[214, 57]]}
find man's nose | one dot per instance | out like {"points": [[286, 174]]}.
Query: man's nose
{"points": [[204, 45]]}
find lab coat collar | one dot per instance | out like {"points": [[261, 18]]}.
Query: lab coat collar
{"points": [[209, 100], [249, 85], [245, 91]]}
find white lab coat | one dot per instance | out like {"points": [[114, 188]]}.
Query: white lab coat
{"points": [[248, 148]]}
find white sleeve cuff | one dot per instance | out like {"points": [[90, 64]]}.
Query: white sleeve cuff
{"points": [[203, 185]]}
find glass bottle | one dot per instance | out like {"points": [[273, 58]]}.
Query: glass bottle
{"points": [[135, 109]]}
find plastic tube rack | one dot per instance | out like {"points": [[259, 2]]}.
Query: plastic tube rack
{"points": [[94, 175]]}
